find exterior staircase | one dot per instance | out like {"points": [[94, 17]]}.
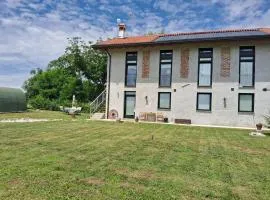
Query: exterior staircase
{"points": [[97, 107], [98, 116]]}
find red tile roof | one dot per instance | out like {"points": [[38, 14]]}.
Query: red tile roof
{"points": [[265, 30], [148, 39], [130, 40]]}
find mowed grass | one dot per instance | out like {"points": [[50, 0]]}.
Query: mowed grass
{"points": [[107, 160]]}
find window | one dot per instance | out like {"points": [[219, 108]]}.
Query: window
{"points": [[204, 101], [164, 100], [129, 104], [246, 102], [247, 66], [205, 67], [131, 69], [165, 69]]}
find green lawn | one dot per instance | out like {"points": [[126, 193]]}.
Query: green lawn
{"points": [[107, 160]]}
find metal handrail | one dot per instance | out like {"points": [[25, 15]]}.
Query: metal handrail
{"points": [[94, 105]]}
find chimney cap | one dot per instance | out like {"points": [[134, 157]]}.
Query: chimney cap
{"points": [[121, 30], [122, 26]]}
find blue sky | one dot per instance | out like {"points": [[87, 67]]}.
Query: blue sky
{"points": [[33, 32]]}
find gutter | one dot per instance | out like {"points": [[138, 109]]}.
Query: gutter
{"points": [[108, 82]]}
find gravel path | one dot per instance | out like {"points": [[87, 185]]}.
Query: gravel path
{"points": [[23, 120]]}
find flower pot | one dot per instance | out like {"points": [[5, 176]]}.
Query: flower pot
{"points": [[259, 126], [166, 120], [136, 119]]}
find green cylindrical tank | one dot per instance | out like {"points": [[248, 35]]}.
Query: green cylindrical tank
{"points": [[12, 100]]}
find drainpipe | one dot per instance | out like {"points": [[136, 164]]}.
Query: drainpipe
{"points": [[108, 82]]}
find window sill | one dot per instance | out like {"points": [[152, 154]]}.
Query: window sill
{"points": [[246, 113], [204, 111], [130, 86], [165, 87], [206, 87], [246, 87], [164, 109]]}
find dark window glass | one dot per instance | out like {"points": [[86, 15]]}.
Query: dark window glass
{"points": [[164, 100], [131, 69], [165, 71], [246, 102], [129, 104], [247, 64], [205, 67], [204, 101]]}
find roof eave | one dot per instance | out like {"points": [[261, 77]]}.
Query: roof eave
{"points": [[154, 43], [105, 46]]}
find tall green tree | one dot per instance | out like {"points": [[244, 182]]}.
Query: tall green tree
{"points": [[80, 71]]}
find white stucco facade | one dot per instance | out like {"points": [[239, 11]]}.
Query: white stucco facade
{"points": [[184, 90]]}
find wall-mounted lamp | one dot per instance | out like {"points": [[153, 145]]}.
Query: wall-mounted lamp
{"points": [[265, 89], [146, 100], [225, 102]]}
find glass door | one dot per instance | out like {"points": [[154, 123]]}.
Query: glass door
{"points": [[129, 104]]}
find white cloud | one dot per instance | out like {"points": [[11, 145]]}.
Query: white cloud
{"points": [[40, 39], [236, 9], [13, 3], [14, 80], [172, 7]]}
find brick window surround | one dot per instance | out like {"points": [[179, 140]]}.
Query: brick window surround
{"points": [[184, 68], [146, 64], [225, 62]]}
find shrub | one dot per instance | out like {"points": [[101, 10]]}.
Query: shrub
{"points": [[267, 120], [85, 107], [40, 102]]}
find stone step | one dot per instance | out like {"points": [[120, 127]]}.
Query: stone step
{"points": [[98, 116]]}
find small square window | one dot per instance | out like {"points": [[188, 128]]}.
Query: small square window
{"points": [[246, 102], [204, 101], [164, 100]]}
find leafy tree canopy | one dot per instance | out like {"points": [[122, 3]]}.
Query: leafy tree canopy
{"points": [[80, 71]]}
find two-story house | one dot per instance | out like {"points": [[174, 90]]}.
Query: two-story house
{"points": [[214, 77]]}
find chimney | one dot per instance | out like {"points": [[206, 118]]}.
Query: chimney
{"points": [[121, 30]]}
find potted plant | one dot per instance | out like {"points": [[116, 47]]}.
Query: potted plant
{"points": [[136, 119], [259, 126], [166, 119]]}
